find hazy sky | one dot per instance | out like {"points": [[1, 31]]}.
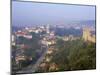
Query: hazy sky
{"points": [[30, 13]]}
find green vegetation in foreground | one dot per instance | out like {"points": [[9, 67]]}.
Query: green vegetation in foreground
{"points": [[74, 55]]}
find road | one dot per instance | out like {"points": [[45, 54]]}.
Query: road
{"points": [[33, 67]]}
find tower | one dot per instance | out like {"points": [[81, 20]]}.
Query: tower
{"points": [[86, 34], [48, 29], [13, 40]]}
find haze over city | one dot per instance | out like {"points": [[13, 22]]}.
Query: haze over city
{"points": [[29, 13]]}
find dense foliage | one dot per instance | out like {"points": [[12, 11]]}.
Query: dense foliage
{"points": [[75, 55]]}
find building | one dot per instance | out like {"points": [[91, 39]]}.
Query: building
{"points": [[18, 58], [51, 42], [22, 58], [20, 33], [88, 36], [28, 36], [68, 38], [42, 65], [49, 51], [53, 67], [48, 59], [13, 39], [47, 41], [48, 29], [52, 33]]}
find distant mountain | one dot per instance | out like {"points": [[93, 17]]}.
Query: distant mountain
{"points": [[66, 24], [80, 23], [88, 22]]}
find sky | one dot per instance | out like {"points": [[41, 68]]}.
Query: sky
{"points": [[32, 13]]}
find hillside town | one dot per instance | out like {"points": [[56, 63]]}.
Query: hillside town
{"points": [[47, 40]]}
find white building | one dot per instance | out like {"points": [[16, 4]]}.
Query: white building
{"points": [[48, 29], [28, 36], [13, 40], [49, 52]]}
